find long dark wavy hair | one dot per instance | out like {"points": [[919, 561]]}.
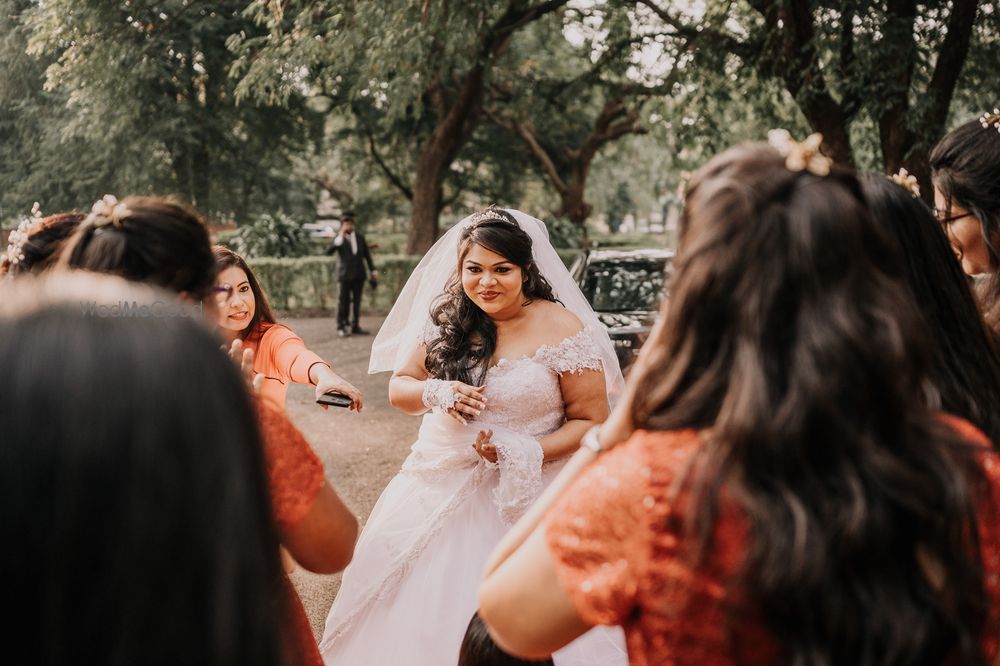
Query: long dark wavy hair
{"points": [[468, 337], [791, 344], [965, 368], [136, 506], [263, 316], [965, 167]]}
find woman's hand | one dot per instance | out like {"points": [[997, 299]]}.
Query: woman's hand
{"points": [[244, 358], [461, 401], [328, 381], [485, 447], [469, 402]]}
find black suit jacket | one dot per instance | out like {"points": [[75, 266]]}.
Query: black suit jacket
{"points": [[350, 266]]}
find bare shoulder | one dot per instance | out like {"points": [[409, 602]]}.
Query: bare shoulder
{"points": [[557, 322]]}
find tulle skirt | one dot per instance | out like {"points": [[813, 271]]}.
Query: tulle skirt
{"points": [[411, 589]]}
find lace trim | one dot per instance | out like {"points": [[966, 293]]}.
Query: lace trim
{"points": [[396, 575], [574, 354], [519, 459], [430, 333], [439, 393]]}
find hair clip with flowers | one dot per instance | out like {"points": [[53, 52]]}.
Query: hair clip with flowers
{"points": [[988, 119], [804, 156], [907, 180], [18, 237], [108, 210]]}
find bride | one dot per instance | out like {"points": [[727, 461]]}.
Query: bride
{"points": [[492, 336]]}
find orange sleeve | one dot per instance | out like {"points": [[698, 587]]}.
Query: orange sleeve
{"points": [[989, 541], [988, 519], [295, 472], [283, 355], [966, 430], [598, 535]]}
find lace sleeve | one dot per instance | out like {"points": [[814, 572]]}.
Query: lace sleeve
{"points": [[574, 354], [519, 458], [430, 333]]}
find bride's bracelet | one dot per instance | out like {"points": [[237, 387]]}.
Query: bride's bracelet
{"points": [[439, 393]]}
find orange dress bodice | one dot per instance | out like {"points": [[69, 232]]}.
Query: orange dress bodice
{"points": [[616, 540]]}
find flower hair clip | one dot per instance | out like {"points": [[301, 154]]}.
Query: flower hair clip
{"points": [[993, 119], [111, 211], [18, 237], [804, 156], [907, 180]]}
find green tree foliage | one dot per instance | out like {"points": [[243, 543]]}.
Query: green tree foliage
{"points": [[416, 72], [872, 77], [37, 161], [568, 101], [145, 88], [425, 109], [270, 235]]}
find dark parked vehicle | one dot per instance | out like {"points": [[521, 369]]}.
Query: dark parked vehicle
{"points": [[624, 287]]}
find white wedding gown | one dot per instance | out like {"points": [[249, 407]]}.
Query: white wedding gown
{"points": [[411, 589]]}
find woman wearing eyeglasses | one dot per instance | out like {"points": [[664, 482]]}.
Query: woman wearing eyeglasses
{"points": [[965, 168], [280, 356]]}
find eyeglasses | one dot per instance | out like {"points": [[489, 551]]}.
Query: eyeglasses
{"points": [[942, 219], [223, 293]]}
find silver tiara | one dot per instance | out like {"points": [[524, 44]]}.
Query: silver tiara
{"points": [[988, 119], [489, 214]]}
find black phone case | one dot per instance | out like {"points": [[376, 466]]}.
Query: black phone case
{"points": [[335, 400]]}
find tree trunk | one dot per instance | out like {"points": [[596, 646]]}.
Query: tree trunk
{"points": [[424, 216], [574, 207], [434, 159]]}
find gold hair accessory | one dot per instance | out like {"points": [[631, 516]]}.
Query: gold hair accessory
{"points": [[988, 119], [907, 180], [804, 156], [111, 210], [18, 237]]}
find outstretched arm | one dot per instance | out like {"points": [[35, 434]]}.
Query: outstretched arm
{"points": [[284, 355]]}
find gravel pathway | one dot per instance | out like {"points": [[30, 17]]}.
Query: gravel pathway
{"points": [[362, 452]]}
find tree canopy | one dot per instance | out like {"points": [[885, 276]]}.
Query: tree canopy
{"points": [[418, 110]]}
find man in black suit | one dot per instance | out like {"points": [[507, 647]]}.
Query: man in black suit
{"points": [[352, 253]]}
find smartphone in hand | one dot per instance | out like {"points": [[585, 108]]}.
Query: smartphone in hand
{"points": [[335, 400]]}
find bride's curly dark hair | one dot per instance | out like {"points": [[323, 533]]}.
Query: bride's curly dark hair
{"points": [[468, 337]]}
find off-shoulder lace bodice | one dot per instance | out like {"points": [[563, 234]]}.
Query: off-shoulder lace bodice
{"points": [[524, 394]]}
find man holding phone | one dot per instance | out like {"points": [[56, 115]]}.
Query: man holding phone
{"points": [[352, 253]]}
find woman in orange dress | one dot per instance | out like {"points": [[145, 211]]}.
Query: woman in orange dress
{"points": [[280, 356], [159, 242], [785, 495]]}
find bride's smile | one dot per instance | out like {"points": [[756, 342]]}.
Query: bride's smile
{"points": [[492, 281]]}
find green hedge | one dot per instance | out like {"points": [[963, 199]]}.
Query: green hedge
{"points": [[308, 285]]}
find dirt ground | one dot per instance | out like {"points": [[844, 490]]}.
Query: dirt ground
{"points": [[361, 452]]}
